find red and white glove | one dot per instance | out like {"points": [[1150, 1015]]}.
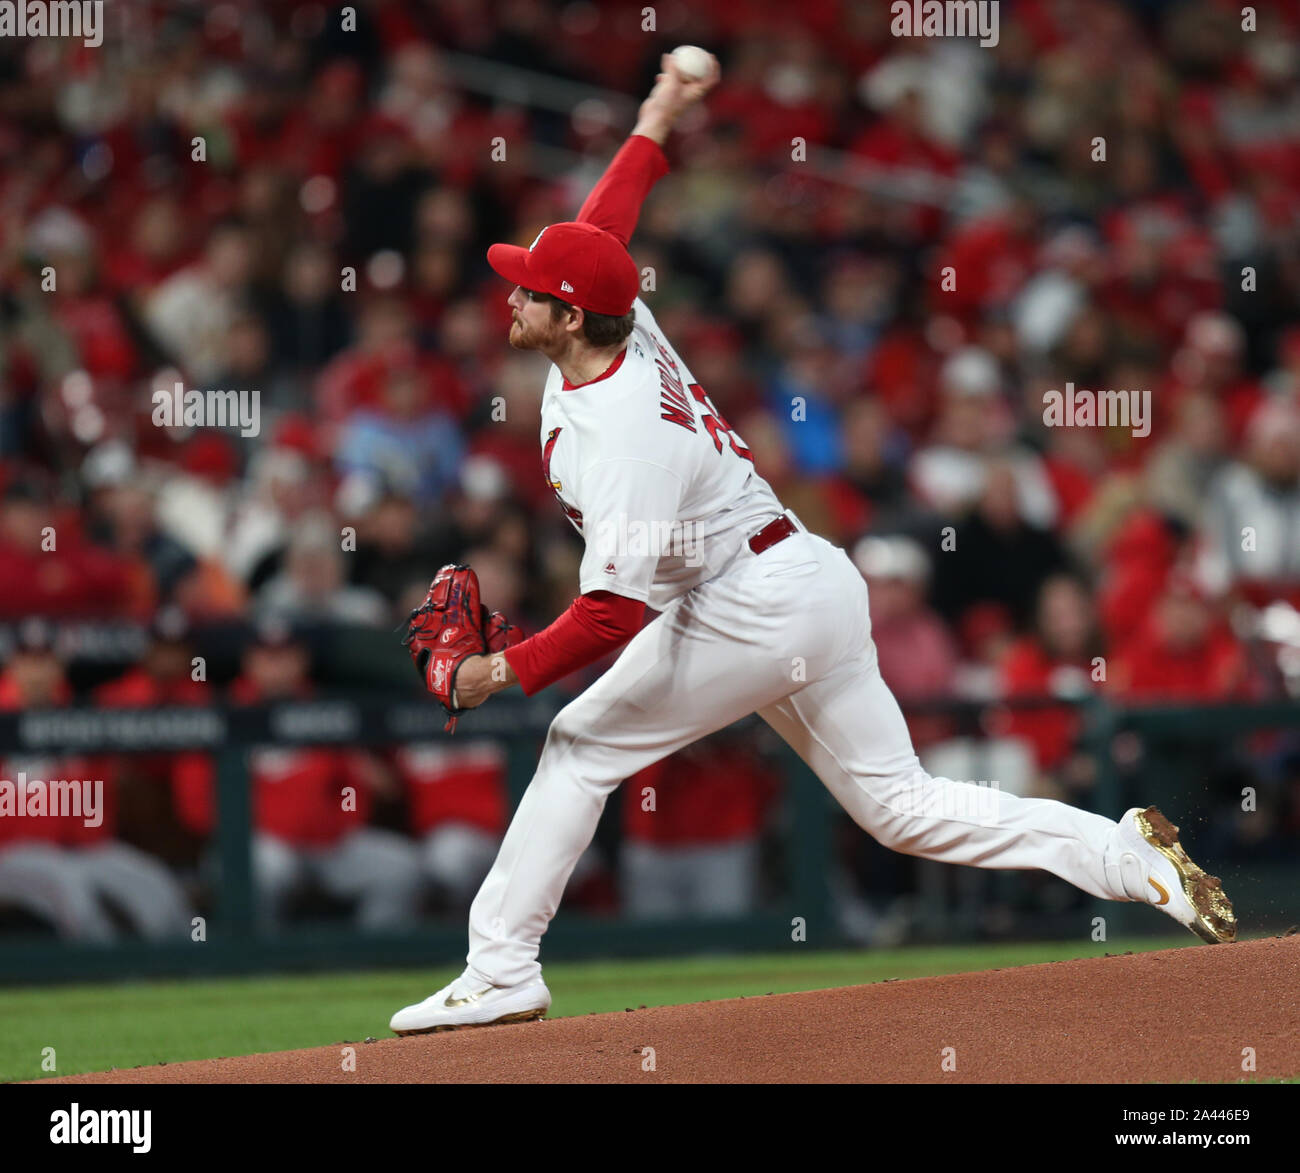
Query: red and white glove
{"points": [[451, 625]]}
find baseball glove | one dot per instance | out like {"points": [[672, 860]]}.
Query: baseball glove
{"points": [[500, 632], [451, 625]]}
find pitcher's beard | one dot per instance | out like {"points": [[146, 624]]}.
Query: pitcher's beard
{"points": [[522, 339]]}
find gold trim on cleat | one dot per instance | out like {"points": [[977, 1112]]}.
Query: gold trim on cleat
{"points": [[1215, 921]]}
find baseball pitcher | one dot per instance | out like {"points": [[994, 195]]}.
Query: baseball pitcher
{"points": [[756, 614]]}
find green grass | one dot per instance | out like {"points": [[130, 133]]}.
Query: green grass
{"points": [[95, 1027]]}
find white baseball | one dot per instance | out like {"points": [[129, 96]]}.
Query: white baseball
{"points": [[693, 62]]}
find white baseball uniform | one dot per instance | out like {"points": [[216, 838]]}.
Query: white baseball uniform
{"points": [[666, 498]]}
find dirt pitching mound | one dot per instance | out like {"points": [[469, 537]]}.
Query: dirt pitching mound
{"points": [[1179, 1014]]}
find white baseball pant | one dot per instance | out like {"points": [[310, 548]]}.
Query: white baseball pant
{"points": [[786, 633]]}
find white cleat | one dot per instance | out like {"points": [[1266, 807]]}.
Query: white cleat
{"points": [[468, 1002], [1154, 869]]}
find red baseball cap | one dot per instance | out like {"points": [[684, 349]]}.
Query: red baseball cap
{"points": [[578, 263]]}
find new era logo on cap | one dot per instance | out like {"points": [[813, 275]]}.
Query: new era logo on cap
{"points": [[576, 262]]}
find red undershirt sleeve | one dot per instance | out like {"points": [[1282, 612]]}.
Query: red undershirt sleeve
{"points": [[615, 202], [593, 625]]}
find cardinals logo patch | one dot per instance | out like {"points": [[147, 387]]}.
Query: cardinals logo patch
{"points": [[574, 515], [551, 437]]}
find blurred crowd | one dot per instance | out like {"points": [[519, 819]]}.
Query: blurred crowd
{"points": [[877, 255]]}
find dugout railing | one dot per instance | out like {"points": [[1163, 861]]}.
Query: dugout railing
{"points": [[231, 942], [1149, 754]]}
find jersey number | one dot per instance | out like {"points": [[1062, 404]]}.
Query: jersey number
{"points": [[717, 427]]}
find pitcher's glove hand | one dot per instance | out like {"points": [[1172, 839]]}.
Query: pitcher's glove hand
{"points": [[500, 632], [446, 629]]}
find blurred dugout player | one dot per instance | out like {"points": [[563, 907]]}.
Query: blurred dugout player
{"points": [[55, 866], [458, 803], [304, 836], [457, 800], [691, 829], [164, 676]]}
